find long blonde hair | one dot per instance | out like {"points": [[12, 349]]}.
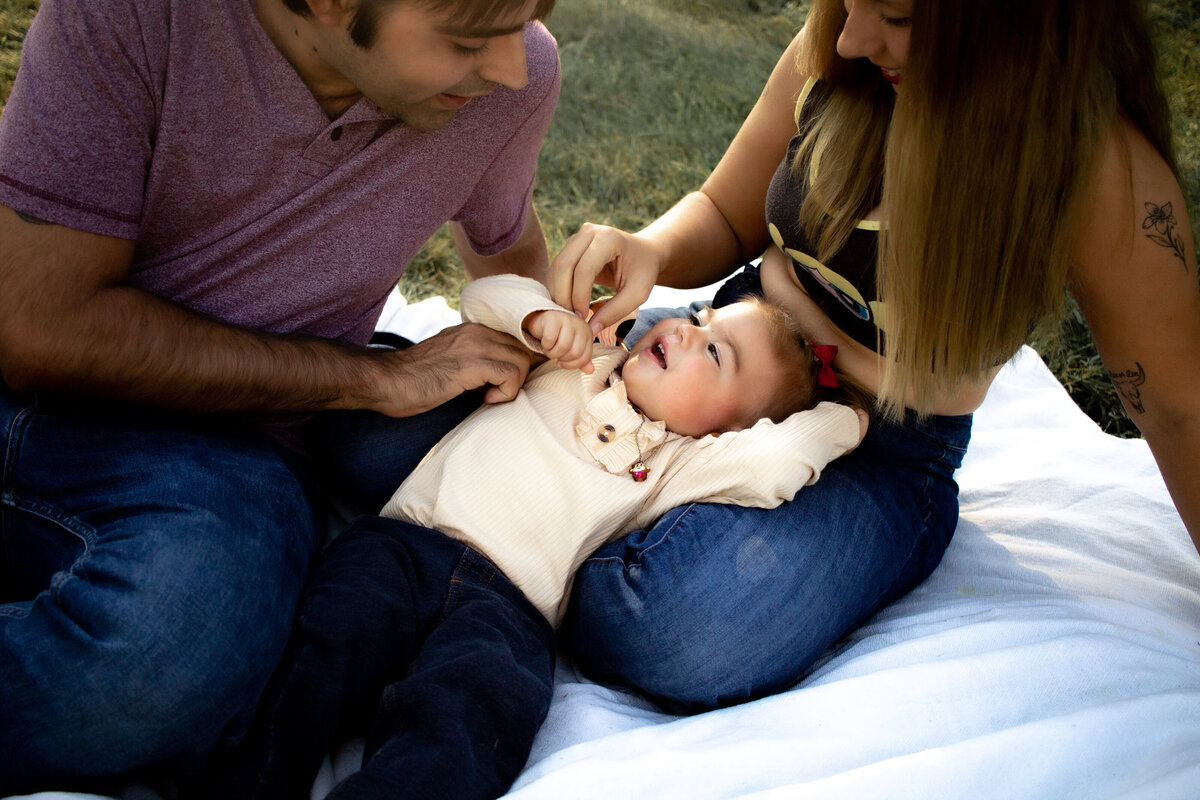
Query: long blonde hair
{"points": [[980, 165]]}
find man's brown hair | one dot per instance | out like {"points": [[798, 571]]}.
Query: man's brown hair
{"points": [[364, 27]]}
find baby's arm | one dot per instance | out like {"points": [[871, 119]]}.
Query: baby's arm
{"points": [[766, 464], [564, 337], [522, 307]]}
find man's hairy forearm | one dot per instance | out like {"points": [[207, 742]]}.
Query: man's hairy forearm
{"points": [[69, 321], [125, 344]]}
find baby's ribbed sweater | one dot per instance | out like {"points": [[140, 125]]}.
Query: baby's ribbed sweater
{"points": [[530, 484]]}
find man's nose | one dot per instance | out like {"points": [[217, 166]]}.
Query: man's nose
{"points": [[504, 63]]}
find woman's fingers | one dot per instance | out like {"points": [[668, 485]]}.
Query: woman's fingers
{"points": [[600, 254]]}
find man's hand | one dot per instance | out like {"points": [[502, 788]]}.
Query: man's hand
{"points": [[443, 366], [563, 337]]}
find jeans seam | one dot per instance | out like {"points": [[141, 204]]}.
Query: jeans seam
{"points": [[86, 534], [14, 502], [645, 551], [14, 427], [8, 498], [21, 502], [477, 567], [926, 509], [57, 516]]}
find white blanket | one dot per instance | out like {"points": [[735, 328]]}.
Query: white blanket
{"points": [[1055, 653]]}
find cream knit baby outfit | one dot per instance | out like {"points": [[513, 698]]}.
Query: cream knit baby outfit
{"points": [[533, 485]]}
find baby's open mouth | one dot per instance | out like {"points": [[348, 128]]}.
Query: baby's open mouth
{"points": [[658, 353]]}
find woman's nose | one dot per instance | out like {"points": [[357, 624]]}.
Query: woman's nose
{"points": [[860, 36]]}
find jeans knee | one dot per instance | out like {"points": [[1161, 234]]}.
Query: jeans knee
{"points": [[144, 654], [619, 630], [681, 668], [103, 702], [715, 606]]}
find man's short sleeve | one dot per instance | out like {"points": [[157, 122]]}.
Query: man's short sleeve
{"points": [[77, 133]]}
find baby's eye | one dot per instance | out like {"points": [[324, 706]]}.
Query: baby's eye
{"points": [[715, 353], [694, 318]]}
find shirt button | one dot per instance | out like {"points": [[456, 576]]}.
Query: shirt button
{"points": [[604, 433]]}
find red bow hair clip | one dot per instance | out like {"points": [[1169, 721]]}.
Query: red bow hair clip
{"points": [[825, 353]]}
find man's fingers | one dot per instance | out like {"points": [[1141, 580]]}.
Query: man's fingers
{"points": [[507, 380], [456, 360]]}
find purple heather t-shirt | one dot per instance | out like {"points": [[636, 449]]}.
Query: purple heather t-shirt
{"points": [[179, 125]]}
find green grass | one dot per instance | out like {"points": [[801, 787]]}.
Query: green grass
{"points": [[653, 91], [14, 19]]}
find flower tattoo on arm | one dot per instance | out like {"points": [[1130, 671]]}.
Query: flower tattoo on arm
{"points": [[1128, 385], [1160, 222]]}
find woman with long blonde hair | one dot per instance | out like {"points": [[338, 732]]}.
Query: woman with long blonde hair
{"points": [[936, 175]]}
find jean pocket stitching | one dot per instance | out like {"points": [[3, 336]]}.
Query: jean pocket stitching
{"points": [[13, 438], [68, 522], [52, 514]]}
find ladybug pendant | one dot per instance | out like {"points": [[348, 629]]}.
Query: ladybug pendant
{"points": [[639, 471]]}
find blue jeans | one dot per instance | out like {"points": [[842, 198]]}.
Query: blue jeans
{"points": [[717, 604], [150, 566], [422, 644]]}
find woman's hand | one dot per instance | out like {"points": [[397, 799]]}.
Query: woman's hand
{"points": [[624, 261], [564, 337]]}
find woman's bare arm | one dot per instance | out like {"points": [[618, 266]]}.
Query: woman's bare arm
{"points": [[707, 234], [1135, 278]]}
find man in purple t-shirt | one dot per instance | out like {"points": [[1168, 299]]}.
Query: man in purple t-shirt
{"points": [[203, 207]]}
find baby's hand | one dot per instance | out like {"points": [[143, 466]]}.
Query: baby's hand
{"points": [[864, 421], [564, 337]]}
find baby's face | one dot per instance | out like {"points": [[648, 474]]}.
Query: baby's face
{"points": [[711, 374]]}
